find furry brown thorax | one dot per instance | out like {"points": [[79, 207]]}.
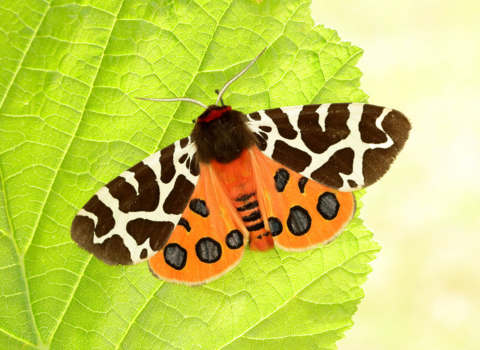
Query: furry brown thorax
{"points": [[223, 138]]}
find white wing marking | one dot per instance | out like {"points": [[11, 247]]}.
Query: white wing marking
{"points": [[130, 178]]}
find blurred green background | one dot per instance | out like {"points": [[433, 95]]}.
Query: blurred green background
{"points": [[422, 58]]}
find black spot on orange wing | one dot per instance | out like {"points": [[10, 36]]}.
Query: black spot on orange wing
{"points": [[336, 129], [175, 256], [234, 239], [276, 226], [328, 206], [177, 199], [291, 157], [281, 179], [148, 195], [299, 221], [198, 206], [302, 183], [208, 250], [329, 173], [183, 222]]}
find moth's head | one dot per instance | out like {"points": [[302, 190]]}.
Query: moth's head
{"points": [[221, 133]]}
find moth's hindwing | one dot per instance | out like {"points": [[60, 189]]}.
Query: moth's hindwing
{"points": [[130, 219], [300, 213], [209, 240], [345, 146]]}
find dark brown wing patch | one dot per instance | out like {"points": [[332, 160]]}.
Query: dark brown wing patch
{"points": [[157, 231], [112, 250], [143, 198], [291, 157], [132, 217], [329, 173], [179, 196], [318, 138], [368, 130], [377, 161], [283, 124], [166, 162]]}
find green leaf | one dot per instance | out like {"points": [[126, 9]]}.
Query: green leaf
{"points": [[69, 123]]}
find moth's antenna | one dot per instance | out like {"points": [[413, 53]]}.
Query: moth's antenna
{"points": [[221, 101], [186, 99], [220, 94]]}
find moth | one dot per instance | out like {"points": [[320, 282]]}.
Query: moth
{"points": [[280, 177]]}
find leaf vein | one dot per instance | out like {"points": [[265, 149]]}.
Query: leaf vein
{"points": [[23, 58]]}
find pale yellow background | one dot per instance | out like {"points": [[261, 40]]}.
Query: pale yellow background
{"points": [[421, 57]]}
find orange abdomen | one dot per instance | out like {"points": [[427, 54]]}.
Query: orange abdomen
{"points": [[239, 184]]}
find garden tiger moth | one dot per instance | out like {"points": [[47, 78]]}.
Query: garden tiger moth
{"points": [[280, 178]]}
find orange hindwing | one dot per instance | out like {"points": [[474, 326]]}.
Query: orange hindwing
{"points": [[206, 242], [300, 213]]}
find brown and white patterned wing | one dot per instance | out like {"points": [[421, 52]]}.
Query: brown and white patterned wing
{"points": [[345, 146], [131, 218]]}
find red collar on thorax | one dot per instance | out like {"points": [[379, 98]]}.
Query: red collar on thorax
{"points": [[216, 113]]}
